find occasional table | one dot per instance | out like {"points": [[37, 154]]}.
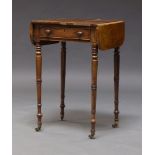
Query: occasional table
{"points": [[103, 35]]}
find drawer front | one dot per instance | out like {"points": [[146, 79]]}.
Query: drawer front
{"points": [[58, 33]]}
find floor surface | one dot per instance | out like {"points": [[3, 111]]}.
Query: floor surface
{"points": [[70, 136]]}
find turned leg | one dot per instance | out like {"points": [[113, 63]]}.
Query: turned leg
{"points": [[38, 81], [94, 66], [116, 87], [63, 73]]}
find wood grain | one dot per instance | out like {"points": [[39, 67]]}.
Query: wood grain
{"points": [[94, 67], [39, 81], [110, 35], [116, 86]]}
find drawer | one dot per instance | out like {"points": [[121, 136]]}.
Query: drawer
{"points": [[58, 33]]}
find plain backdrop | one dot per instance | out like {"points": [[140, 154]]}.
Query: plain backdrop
{"points": [[70, 136]]}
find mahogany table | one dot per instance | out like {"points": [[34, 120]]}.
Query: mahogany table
{"points": [[103, 35]]}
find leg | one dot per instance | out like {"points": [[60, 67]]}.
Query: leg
{"points": [[116, 87], [94, 66], [38, 80], [63, 73]]}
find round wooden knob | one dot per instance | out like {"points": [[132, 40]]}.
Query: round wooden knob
{"points": [[48, 31], [79, 33]]}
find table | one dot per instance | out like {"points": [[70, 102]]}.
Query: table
{"points": [[103, 35]]}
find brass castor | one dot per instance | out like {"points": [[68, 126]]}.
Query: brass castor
{"points": [[37, 129], [115, 125], [91, 136]]}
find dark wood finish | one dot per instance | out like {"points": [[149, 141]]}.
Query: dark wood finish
{"points": [[116, 87], [94, 66], [39, 81], [109, 33], [103, 34], [63, 74]]}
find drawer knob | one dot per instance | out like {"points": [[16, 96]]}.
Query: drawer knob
{"points": [[79, 33], [48, 31]]}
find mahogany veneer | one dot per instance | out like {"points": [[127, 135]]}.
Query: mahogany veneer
{"points": [[103, 35]]}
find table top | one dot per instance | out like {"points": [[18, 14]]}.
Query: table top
{"points": [[106, 33], [80, 22]]}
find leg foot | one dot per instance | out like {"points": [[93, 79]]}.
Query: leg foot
{"points": [[62, 118], [37, 129], [115, 125], [91, 136]]}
